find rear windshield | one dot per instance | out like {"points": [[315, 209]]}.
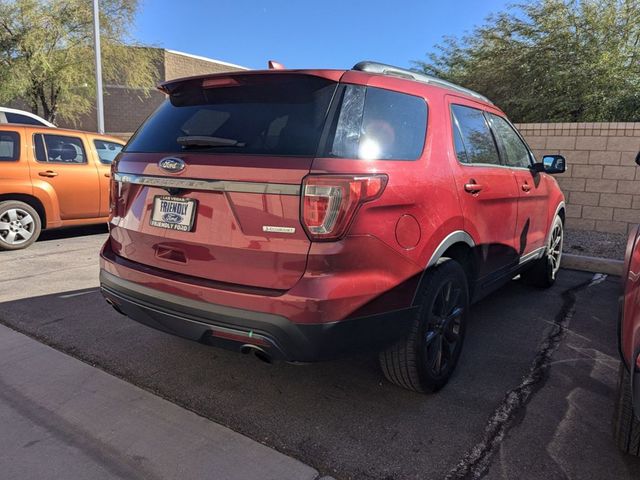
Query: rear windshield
{"points": [[285, 115], [264, 115]]}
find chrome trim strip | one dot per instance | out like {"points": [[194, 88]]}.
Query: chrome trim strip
{"points": [[536, 254], [560, 206], [208, 185], [453, 237]]}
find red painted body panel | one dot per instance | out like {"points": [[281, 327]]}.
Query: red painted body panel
{"points": [[630, 313], [340, 277], [227, 243]]}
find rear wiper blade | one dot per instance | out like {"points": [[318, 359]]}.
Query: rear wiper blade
{"points": [[206, 141]]}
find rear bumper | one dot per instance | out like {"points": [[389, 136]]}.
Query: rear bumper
{"points": [[232, 328], [635, 383]]}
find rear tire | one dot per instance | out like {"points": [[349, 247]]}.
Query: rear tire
{"points": [[627, 426], [425, 360], [544, 271], [20, 225]]}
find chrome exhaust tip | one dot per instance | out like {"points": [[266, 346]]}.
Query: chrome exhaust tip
{"points": [[259, 353]]}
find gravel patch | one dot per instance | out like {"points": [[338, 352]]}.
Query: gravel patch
{"points": [[595, 244]]}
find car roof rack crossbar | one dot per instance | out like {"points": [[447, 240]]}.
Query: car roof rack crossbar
{"points": [[384, 69]]}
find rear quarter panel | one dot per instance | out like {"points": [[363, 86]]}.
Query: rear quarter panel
{"points": [[630, 302], [15, 176], [422, 190]]}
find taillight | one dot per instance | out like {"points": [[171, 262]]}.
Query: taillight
{"points": [[113, 190], [329, 202]]}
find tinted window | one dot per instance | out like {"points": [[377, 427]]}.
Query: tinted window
{"points": [[458, 143], [477, 138], [379, 124], [41, 153], [59, 149], [107, 151], [259, 114], [515, 152], [23, 119], [9, 146]]}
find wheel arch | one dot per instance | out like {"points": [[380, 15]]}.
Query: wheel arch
{"points": [[560, 211], [30, 200], [562, 214], [456, 246]]}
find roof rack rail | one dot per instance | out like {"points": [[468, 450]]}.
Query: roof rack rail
{"points": [[384, 69]]}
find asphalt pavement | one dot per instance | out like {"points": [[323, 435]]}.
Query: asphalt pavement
{"points": [[532, 398]]}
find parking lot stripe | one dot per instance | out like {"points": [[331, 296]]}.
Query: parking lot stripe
{"points": [[78, 294]]}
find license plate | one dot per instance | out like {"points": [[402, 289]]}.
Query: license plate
{"points": [[174, 213]]}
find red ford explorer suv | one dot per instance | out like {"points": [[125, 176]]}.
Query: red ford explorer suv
{"points": [[305, 214], [627, 416]]}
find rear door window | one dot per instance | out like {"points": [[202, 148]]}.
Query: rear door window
{"points": [[107, 151], [515, 152], [254, 114], [9, 146], [475, 144], [59, 149], [374, 123]]}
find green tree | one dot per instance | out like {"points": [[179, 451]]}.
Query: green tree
{"points": [[47, 57], [551, 60]]}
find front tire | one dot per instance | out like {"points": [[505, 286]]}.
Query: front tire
{"points": [[20, 225], [425, 360], [627, 426], [544, 271]]}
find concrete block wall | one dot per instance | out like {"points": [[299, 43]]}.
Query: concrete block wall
{"points": [[602, 181], [178, 64]]}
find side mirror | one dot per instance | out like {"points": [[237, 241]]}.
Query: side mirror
{"points": [[638, 158], [551, 164]]}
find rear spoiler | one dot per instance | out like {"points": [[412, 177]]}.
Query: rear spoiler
{"points": [[220, 79]]}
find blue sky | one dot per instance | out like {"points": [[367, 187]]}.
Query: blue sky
{"points": [[301, 34]]}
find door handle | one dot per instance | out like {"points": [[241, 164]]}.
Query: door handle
{"points": [[473, 187], [108, 175], [526, 187], [48, 173]]}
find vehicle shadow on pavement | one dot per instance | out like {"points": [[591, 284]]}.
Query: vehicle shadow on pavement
{"points": [[342, 417], [62, 233]]}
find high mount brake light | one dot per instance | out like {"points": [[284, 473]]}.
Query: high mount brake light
{"points": [[219, 82], [329, 202]]}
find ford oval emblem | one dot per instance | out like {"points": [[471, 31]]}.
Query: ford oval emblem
{"points": [[172, 218], [171, 164]]}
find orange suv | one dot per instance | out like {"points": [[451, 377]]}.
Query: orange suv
{"points": [[51, 178]]}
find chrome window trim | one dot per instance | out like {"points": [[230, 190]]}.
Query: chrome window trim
{"points": [[208, 185]]}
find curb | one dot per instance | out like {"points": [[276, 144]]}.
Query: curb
{"points": [[94, 422], [592, 264]]}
